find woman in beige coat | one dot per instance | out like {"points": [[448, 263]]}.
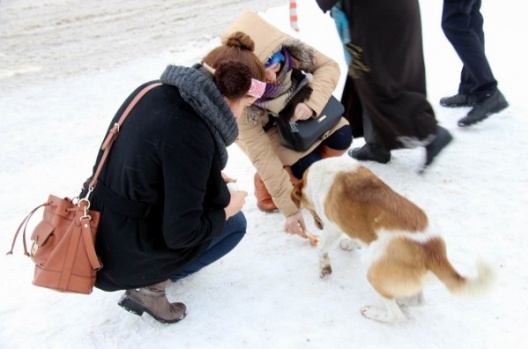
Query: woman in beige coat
{"points": [[299, 79]]}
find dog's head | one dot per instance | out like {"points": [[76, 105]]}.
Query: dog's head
{"points": [[302, 201]]}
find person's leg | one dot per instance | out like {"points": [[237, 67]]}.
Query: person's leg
{"points": [[234, 230], [298, 168], [373, 148], [370, 134], [337, 143], [264, 201], [488, 99], [462, 25]]}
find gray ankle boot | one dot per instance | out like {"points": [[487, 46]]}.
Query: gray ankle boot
{"points": [[153, 300]]}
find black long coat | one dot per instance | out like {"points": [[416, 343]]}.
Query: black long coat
{"points": [[164, 157], [393, 90]]}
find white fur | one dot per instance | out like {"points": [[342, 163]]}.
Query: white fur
{"points": [[377, 248], [320, 178]]}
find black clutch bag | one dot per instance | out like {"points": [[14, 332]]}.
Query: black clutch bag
{"points": [[301, 135]]}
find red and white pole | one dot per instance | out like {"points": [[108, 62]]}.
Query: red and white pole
{"points": [[293, 15]]}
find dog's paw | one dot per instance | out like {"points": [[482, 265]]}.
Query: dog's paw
{"points": [[391, 315], [325, 271], [349, 245], [373, 313]]}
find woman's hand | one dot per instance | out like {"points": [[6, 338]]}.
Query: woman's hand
{"points": [[295, 225], [228, 179], [238, 200], [302, 112]]}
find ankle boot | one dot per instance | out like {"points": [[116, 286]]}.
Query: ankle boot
{"points": [[371, 151], [153, 301], [327, 152], [264, 201], [441, 140]]}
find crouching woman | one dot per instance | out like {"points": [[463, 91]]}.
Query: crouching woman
{"points": [[166, 211]]}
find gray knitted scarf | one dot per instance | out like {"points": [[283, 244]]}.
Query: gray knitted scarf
{"points": [[197, 88]]}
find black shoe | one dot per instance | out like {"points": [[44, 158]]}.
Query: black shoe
{"points": [[458, 100], [442, 139], [491, 105], [371, 151]]}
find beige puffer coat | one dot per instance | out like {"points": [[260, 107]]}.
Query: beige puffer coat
{"points": [[263, 148]]}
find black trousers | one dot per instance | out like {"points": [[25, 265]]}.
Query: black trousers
{"points": [[462, 24]]}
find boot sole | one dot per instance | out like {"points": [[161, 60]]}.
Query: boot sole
{"points": [[380, 160], [461, 105], [500, 108], [133, 307]]}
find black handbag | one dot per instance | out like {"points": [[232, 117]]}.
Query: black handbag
{"points": [[301, 135]]}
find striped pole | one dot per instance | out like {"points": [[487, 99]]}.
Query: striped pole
{"points": [[293, 15]]}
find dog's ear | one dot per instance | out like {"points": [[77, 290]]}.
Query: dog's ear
{"points": [[296, 193]]}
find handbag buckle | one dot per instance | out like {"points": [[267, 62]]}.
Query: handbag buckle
{"points": [[293, 126], [34, 247]]}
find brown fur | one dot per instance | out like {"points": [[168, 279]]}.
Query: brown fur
{"points": [[363, 206]]}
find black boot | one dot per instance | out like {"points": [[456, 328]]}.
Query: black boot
{"points": [[442, 139], [458, 100], [491, 105], [371, 151]]}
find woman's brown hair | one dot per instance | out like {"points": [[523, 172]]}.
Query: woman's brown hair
{"points": [[233, 79], [237, 47]]}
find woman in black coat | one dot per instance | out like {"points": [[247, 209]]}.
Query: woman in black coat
{"points": [[165, 208]]}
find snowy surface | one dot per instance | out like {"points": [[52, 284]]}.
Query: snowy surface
{"points": [[66, 66]]}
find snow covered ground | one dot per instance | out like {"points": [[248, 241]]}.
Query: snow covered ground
{"points": [[67, 65]]}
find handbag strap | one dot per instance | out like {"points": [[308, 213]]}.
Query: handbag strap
{"points": [[113, 133], [22, 227], [107, 144]]}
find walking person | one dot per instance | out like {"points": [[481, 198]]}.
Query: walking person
{"points": [[388, 74], [462, 23]]}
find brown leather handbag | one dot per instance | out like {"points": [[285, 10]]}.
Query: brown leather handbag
{"points": [[63, 242]]}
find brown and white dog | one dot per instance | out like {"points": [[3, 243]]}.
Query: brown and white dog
{"points": [[345, 197]]}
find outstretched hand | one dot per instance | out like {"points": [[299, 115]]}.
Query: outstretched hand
{"points": [[295, 225]]}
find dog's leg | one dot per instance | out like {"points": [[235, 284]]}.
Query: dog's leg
{"points": [[330, 236], [392, 315], [349, 244], [414, 300]]}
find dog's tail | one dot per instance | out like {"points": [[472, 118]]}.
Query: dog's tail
{"points": [[466, 286]]}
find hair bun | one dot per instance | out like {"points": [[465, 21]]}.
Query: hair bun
{"points": [[240, 39], [232, 78]]}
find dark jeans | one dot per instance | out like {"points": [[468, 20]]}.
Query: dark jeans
{"points": [[339, 140], [462, 24], [234, 230]]}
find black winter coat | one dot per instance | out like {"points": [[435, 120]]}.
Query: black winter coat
{"points": [[164, 157]]}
